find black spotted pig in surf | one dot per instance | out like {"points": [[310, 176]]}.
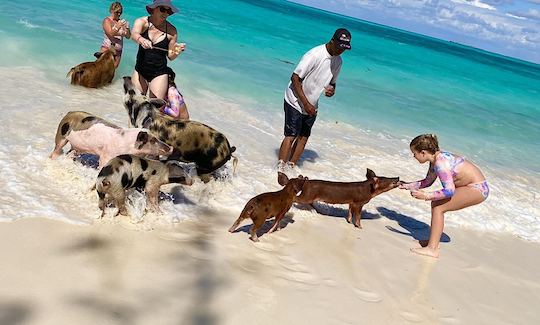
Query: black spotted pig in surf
{"points": [[192, 141], [128, 171], [91, 134]]}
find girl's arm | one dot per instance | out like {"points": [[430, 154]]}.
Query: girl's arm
{"points": [[444, 172], [431, 176]]}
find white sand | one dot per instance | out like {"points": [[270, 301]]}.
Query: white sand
{"points": [[316, 270]]}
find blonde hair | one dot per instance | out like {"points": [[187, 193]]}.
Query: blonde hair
{"points": [[427, 142], [115, 7]]}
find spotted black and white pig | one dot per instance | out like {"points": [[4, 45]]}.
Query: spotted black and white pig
{"points": [[128, 171], [192, 141], [91, 134]]}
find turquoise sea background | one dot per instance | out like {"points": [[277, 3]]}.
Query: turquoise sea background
{"points": [[393, 82]]}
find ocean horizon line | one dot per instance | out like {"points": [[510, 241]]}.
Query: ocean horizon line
{"points": [[535, 65]]}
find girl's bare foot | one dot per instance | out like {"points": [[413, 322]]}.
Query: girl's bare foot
{"points": [[427, 251]]}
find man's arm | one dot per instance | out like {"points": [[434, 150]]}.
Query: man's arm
{"points": [[297, 87]]}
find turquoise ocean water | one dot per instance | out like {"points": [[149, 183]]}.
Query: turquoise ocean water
{"points": [[393, 85], [392, 81]]}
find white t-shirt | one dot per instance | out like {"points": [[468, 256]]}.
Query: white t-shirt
{"points": [[318, 69]]}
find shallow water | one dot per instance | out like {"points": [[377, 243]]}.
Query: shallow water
{"points": [[393, 86]]}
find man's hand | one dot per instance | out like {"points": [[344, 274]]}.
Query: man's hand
{"points": [[310, 109], [329, 91]]}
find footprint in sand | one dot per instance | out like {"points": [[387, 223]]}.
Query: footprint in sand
{"points": [[300, 277], [411, 317], [197, 254], [368, 296], [264, 297], [449, 320], [268, 247], [174, 236], [291, 264]]}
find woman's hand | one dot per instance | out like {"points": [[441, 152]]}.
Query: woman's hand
{"points": [[146, 44], [421, 195], [178, 48]]}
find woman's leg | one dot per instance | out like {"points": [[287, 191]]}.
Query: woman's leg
{"points": [[463, 197], [117, 60], [158, 86], [139, 82]]}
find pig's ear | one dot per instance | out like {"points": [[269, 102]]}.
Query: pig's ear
{"points": [[370, 174], [142, 138], [374, 184], [282, 179], [157, 103]]}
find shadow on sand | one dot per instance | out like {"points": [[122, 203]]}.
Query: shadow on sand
{"points": [[336, 212], [416, 229]]}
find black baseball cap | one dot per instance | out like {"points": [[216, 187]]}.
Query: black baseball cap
{"points": [[342, 38]]}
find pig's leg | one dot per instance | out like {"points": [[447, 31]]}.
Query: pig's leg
{"points": [[152, 195], [120, 201], [257, 223], [58, 148], [277, 220], [358, 213], [205, 178], [103, 160], [349, 217]]}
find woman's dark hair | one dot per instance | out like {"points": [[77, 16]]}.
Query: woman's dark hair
{"points": [[427, 142]]}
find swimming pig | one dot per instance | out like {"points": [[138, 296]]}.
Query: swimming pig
{"points": [[91, 134], [192, 141], [128, 171], [356, 194], [94, 74], [267, 205]]}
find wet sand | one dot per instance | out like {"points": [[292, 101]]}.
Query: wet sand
{"points": [[316, 270]]}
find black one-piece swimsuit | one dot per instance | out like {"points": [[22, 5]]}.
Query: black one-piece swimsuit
{"points": [[152, 62]]}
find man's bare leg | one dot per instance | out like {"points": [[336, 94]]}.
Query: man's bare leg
{"points": [[298, 149]]}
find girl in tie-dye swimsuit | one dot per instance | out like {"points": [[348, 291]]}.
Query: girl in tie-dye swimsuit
{"points": [[446, 167]]}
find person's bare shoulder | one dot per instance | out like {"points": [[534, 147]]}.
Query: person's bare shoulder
{"points": [[171, 28]]}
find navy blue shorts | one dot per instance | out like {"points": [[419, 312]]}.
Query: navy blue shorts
{"points": [[296, 123]]}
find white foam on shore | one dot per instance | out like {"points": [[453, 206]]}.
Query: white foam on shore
{"points": [[35, 186]]}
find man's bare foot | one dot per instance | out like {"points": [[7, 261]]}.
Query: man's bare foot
{"points": [[427, 251]]}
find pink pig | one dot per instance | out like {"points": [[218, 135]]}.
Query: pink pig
{"points": [[108, 142]]}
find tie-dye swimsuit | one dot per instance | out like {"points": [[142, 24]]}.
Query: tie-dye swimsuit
{"points": [[445, 168]]}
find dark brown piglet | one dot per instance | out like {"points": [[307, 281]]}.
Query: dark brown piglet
{"points": [[267, 205]]}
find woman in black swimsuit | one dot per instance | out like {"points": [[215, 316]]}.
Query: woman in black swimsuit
{"points": [[157, 42]]}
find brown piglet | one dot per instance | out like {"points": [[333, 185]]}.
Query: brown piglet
{"points": [[355, 194], [271, 204]]}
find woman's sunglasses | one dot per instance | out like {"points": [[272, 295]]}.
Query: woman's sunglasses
{"points": [[165, 10]]}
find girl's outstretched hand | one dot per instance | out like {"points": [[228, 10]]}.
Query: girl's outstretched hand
{"points": [[421, 195]]}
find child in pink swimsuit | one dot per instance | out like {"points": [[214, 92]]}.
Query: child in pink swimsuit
{"points": [[176, 107], [463, 185]]}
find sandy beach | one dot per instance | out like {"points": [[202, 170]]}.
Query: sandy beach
{"points": [[316, 270]]}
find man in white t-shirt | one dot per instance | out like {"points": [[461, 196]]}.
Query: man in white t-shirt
{"points": [[317, 71]]}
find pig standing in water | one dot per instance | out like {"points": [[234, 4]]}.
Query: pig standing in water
{"points": [[127, 171], [91, 134], [355, 194]]}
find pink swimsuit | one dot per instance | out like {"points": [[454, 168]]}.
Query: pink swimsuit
{"points": [[118, 41], [446, 165], [175, 102]]}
